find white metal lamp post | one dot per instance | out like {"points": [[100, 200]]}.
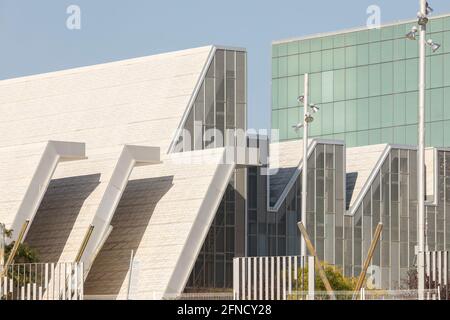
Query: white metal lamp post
{"points": [[422, 16], [308, 111]]}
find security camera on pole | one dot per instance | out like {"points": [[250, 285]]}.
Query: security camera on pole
{"points": [[308, 111], [422, 16]]}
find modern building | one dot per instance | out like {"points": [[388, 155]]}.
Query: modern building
{"points": [[362, 165], [133, 183], [142, 169], [366, 82]]}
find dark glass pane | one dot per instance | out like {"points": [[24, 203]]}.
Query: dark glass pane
{"points": [[240, 77], [230, 64]]}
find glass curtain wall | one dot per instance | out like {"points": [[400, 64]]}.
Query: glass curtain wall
{"points": [[438, 216], [220, 105], [214, 266], [366, 84], [276, 233], [392, 200]]}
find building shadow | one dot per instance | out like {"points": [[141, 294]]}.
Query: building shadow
{"points": [[57, 213], [129, 223]]}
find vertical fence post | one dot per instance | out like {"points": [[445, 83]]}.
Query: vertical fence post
{"points": [[311, 277], [243, 279], [266, 268], [261, 272]]}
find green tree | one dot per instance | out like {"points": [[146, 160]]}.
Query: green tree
{"points": [[338, 281], [24, 254]]}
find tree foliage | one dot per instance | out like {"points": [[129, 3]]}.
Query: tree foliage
{"points": [[338, 281], [24, 254]]}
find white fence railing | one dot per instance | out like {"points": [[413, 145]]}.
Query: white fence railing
{"points": [[271, 278], [43, 281]]}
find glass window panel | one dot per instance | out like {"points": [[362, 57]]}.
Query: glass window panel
{"points": [[411, 74], [230, 90], [411, 49], [282, 67], [387, 51], [293, 65], [437, 104], [304, 63], [437, 134], [339, 117], [339, 58], [374, 112], [363, 138], [411, 107], [316, 44], [351, 58], [387, 33], [316, 126], [363, 54], [375, 52], [304, 46], [293, 92], [362, 36], [436, 72], [241, 70], [220, 124], [293, 47], [399, 51], [387, 135], [230, 64], [339, 85], [351, 83], [375, 80], [316, 61], [399, 70], [387, 110], [327, 86], [282, 49], [293, 118], [327, 60], [350, 115], [363, 82], [363, 114], [351, 39], [230, 115], [374, 35], [275, 93], [399, 109], [339, 40], [316, 87], [400, 135], [209, 102], [327, 115], [282, 93], [387, 78]]}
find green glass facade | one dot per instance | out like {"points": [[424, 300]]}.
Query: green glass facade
{"points": [[366, 82]]}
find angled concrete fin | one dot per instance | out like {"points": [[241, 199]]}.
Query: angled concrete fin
{"points": [[55, 152], [130, 157]]}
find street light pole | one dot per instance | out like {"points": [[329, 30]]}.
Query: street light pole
{"points": [[305, 161], [421, 155]]}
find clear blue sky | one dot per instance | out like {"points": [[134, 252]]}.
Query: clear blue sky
{"points": [[34, 37]]}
